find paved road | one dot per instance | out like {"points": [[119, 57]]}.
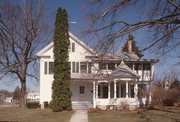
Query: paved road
{"points": [[79, 116]]}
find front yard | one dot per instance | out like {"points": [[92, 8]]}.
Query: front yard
{"points": [[134, 116], [41, 115], [33, 115]]}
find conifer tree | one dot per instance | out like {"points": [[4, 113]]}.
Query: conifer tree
{"points": [[61, 98], [135, 48]]}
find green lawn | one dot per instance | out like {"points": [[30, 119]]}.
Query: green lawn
{"points": [[33, 115], [147, 116]]}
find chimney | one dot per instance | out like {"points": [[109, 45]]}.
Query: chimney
{"points": [[130, 46], [130, 43]]}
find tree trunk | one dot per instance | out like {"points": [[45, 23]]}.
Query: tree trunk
{"points": [[23, 93]]}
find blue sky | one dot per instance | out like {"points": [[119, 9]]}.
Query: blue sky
{"points": [[76, 14]]}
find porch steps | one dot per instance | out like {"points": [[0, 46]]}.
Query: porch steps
{"points": [[80, 105]]}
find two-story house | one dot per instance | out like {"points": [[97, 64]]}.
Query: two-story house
{"points": [[111, 80]]}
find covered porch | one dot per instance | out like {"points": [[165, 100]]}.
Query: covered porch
{"points": [[118, 93], [120, 88]]}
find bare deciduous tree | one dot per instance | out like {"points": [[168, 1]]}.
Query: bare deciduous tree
{"points": [[22, 28], [160, 17]]}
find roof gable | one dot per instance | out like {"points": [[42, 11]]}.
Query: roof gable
{"points": [[123, 71], [73, 37]]}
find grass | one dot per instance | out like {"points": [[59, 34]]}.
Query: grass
{"points": [[132, 116], [33, 115]]}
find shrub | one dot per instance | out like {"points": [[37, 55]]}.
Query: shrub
{"points": [[124, 105], [168, 101], [166, 97], [46, 104], [32, 105]]}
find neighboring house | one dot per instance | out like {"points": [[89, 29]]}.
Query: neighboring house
{"points": [[8, 99], [112, 80], [166, 83], [33, 96]]}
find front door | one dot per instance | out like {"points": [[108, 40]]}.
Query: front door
{"points": [[81, 92]]}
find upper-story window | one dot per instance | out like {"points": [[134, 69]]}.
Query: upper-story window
{"points": [[130, 65], [73, 47], [138, 66], [83, 67], [51, 67], [102, 66], [73, 67], [89, 67], [77, 67], [111, 66], [146, 66], [69, 48]]}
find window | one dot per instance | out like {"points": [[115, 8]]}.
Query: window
{"points": [[99, 90], [146, 66], [81, 89], [45, 67], [77, 67], [132, 90], [70, 67], [102, 66], [73, 67], [130, 65], [123, 90], [111, 66], [73, 47], [89, 67], [83, 67], [69, 47], [138, 66], [51, 67]]}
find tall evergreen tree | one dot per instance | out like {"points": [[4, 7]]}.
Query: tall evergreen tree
{"points": [[135, 48], [61, 98]]}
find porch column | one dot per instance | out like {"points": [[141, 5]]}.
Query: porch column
{"points": [[109, 90], [115, 96], [135, 90], [94, 93], [97, 90], [120, 90], [127, 89]]}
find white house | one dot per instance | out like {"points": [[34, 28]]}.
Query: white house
{"points": [[105, 82], [8, 99], [33, 96]]}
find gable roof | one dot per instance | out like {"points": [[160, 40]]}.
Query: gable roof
{"points": [[120, 55], [123, 71], [72, 36]]}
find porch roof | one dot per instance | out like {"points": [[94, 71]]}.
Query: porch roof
{"points": [[122, 71]]}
